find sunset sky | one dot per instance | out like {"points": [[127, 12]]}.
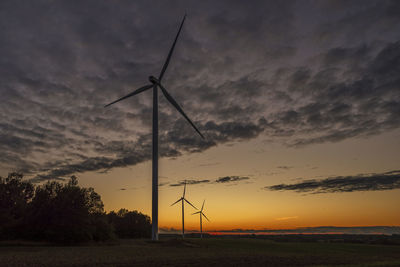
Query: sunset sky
{"points": [[299, 102]]}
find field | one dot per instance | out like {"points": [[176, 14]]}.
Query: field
{"points": [[196, 252]]}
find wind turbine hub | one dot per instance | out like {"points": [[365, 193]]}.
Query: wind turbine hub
{"points": [[154, 80]]}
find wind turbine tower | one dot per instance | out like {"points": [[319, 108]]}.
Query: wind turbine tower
{"points": [[201, 219], [183, 199], [155, 84]]}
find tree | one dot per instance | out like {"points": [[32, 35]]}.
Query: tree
{"points": [[67, 213], [15, 195], [130, 224], [63, 213]]}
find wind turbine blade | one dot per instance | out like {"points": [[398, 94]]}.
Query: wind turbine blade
{"points": [[205, 216], [171, 51], [202, 206], [196, 213], [176, 201], [184, 190], [189, 203], [137, 91], [173, 102]]}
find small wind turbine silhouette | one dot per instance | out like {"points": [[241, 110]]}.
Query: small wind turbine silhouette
{"points": [[154, 84], [201, 219], [183, 199]]}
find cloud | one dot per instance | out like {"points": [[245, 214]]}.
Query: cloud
{"points": [[387, 230], [163, 184], [169, 230], [371, 182], [61, 61], [220, 180], [190, 182], [286, 218], [229, 179], [59, 171], [208, 164], [283, 167], [125, 189], [340, 101]]}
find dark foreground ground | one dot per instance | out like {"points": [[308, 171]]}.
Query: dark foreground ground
{"points": [[206, 252]]}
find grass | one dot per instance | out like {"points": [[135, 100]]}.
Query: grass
{"points": [[196, 252]]}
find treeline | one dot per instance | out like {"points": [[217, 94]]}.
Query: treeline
{"points": [[62, 213]]}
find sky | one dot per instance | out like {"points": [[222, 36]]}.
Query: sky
{"points": [[299, 103]]}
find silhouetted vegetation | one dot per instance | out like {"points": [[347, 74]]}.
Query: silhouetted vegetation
{"points": [[62, 213], [15, 196], [130, 224]]}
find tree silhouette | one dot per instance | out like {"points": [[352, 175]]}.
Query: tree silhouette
{"points": [[130, 224], [15, 195], [62, 213], [68, 213]]}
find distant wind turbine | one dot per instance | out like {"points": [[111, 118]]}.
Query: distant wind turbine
{"points": [[155, 83], [201, 219], [183, 199]]}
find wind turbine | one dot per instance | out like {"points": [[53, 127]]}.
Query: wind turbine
{"points": [[156, 83], [201, 219], [183, 199]]}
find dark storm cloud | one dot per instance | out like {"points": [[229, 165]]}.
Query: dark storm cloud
{"points": [[241, 70], [373, 182]]}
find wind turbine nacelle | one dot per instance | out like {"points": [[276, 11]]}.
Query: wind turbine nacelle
{"points": [[153, 80]]}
